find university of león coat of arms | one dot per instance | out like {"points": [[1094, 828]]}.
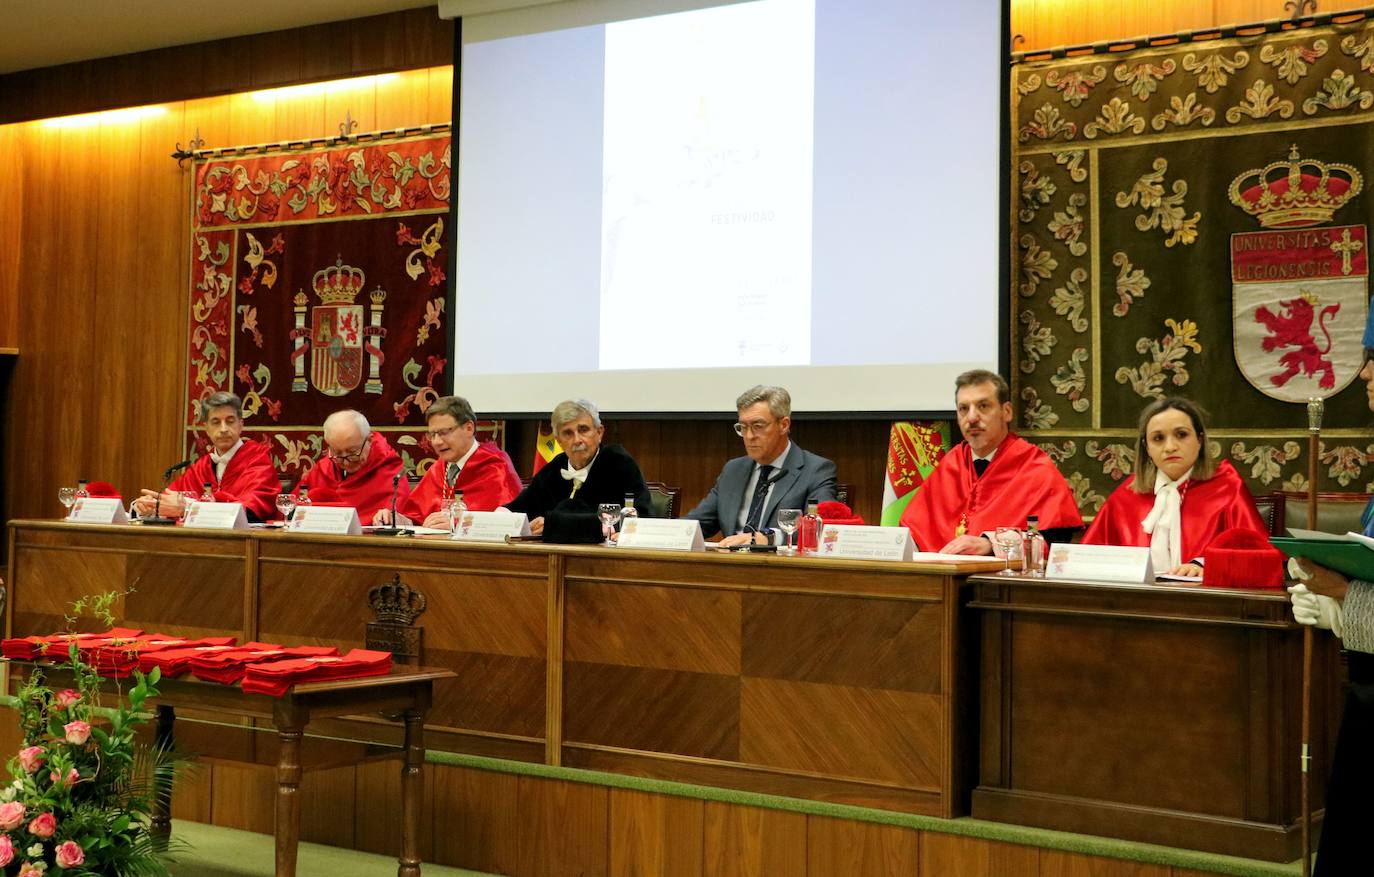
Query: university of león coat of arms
{"points": [[1300, 288]]}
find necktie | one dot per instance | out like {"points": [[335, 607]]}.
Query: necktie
{"points": [[752, 520], [981, 466], [451, 473]]}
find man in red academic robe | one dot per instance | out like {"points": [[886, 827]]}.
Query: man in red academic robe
{"points": [[360, 468], [480, 470], [236, 470], [991, 479]]}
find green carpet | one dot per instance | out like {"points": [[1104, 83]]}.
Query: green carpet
{"points": [[212, 851]]}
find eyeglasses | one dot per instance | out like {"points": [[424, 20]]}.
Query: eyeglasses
{"points": [[440, 433], [352, 456], [757, 427]]}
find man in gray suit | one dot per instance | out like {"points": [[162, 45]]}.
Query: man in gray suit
{"points": [[775, 473]]}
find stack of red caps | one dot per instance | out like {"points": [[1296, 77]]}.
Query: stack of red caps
{"points": [[227, 667], [277, 677], [29, 647]]}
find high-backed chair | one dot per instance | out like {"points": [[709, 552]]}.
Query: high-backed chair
{"points": [[1336, 512], [845, 493], [1270, 507], [663, 499]]}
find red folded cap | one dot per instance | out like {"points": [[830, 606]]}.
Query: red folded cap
{"points": [[102, 488], [1242, 558], [835, 512]]}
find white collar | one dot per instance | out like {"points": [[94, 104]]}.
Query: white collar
{"points": [[463, 460], [780, 458], [579, 475], [221, 459]]}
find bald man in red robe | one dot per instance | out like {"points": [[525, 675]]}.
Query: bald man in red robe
{"points": [[236, 470], [991, 479], [360, 468]]}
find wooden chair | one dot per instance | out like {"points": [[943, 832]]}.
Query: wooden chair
{"points": [[1269, 505], [845, 493], [663, 499], [1336, 512]]}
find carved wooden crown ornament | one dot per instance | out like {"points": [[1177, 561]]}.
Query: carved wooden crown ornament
{"points": [[395, 603]]}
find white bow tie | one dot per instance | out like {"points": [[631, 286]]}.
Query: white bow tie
{"points": [[578, 475], [1164, 523]]}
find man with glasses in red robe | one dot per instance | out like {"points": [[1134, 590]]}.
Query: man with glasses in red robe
{"points": [[359, 469], [481, 470]]}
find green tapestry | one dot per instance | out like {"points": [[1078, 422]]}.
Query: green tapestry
{"points": [[1192, 220]]}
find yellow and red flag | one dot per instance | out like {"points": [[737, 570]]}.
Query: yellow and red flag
{"points": [[545, 448], [913, 450]]}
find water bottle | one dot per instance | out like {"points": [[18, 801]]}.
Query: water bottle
{"points": [[809, 530], [1033, 549], [456, 512], [207, 493], [301, 505], [81, 491]]}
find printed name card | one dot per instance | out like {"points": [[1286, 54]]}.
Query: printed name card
{"points": [[662, 533], [866, 543], [1106, 563], [490, 526], [216, 516], [330, 520], [98, 510]]}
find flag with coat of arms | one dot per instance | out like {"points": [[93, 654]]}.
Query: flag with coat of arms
{"points": [[913, 450]]}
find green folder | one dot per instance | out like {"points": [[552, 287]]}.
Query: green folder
{"points": [[1351, 559]]}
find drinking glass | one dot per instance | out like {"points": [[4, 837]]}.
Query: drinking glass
{"points": [[286, 504], [787, 522], [1007, 538], [610, 514], [446, 506], [67, 496], [187, 497]]}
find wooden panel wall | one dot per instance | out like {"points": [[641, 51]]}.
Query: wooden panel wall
{"points": [[523, 826], [1045, 24], [98, 284]]}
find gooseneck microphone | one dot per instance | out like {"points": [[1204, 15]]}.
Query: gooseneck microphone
{"points": [[157, 519], [395, 529]]}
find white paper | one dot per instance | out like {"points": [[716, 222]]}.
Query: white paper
{"points": [[490, 526], [98, 510], [1106, 563], [866, 543], [216, 516], [329, 520], [667, 534]]}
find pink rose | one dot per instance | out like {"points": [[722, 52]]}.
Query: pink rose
{"points": [[72, 777], [30, 757], [11, 816], [6, 850], [70, 854], [77, 732], [66, 697], [43, 825]]}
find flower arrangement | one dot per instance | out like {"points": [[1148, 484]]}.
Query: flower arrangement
{"points": [[82, 797]]}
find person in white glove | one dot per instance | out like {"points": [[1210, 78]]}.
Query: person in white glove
{"points": [[1317, 609]]}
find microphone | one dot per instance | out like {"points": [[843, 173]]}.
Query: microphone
{"points": [[394, 529], [157, 519]]}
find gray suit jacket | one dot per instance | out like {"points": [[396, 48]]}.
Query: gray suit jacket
{"points": [[804, 476]]}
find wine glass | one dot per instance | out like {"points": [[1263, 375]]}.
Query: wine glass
{"points": [[67, 496], [610, 514], [1007, 538], [187, 498], [286, 504], [787, 522]]}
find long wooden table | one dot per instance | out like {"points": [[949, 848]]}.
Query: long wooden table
{"points": [[1161, 713], [834, 680]]}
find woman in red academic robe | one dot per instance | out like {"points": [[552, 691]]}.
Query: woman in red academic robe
{"points": [[1179, 499]]}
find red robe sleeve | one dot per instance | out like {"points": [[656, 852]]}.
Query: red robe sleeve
{"points": [[249, 478], [1209, 508], [1020, 481]]}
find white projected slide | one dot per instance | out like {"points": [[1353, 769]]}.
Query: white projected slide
{"points": [[663, 202], [706, 168]]}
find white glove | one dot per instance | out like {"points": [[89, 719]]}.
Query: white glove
{"points": [[1316, 610]]}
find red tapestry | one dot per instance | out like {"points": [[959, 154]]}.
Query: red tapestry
{"points": [[319, 284]]}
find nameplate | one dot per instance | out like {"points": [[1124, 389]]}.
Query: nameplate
{"points": [[490, 526], [216, 516], [330, 520], [98, 510], [662, 533], [866, 543], [1105, 563]]}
